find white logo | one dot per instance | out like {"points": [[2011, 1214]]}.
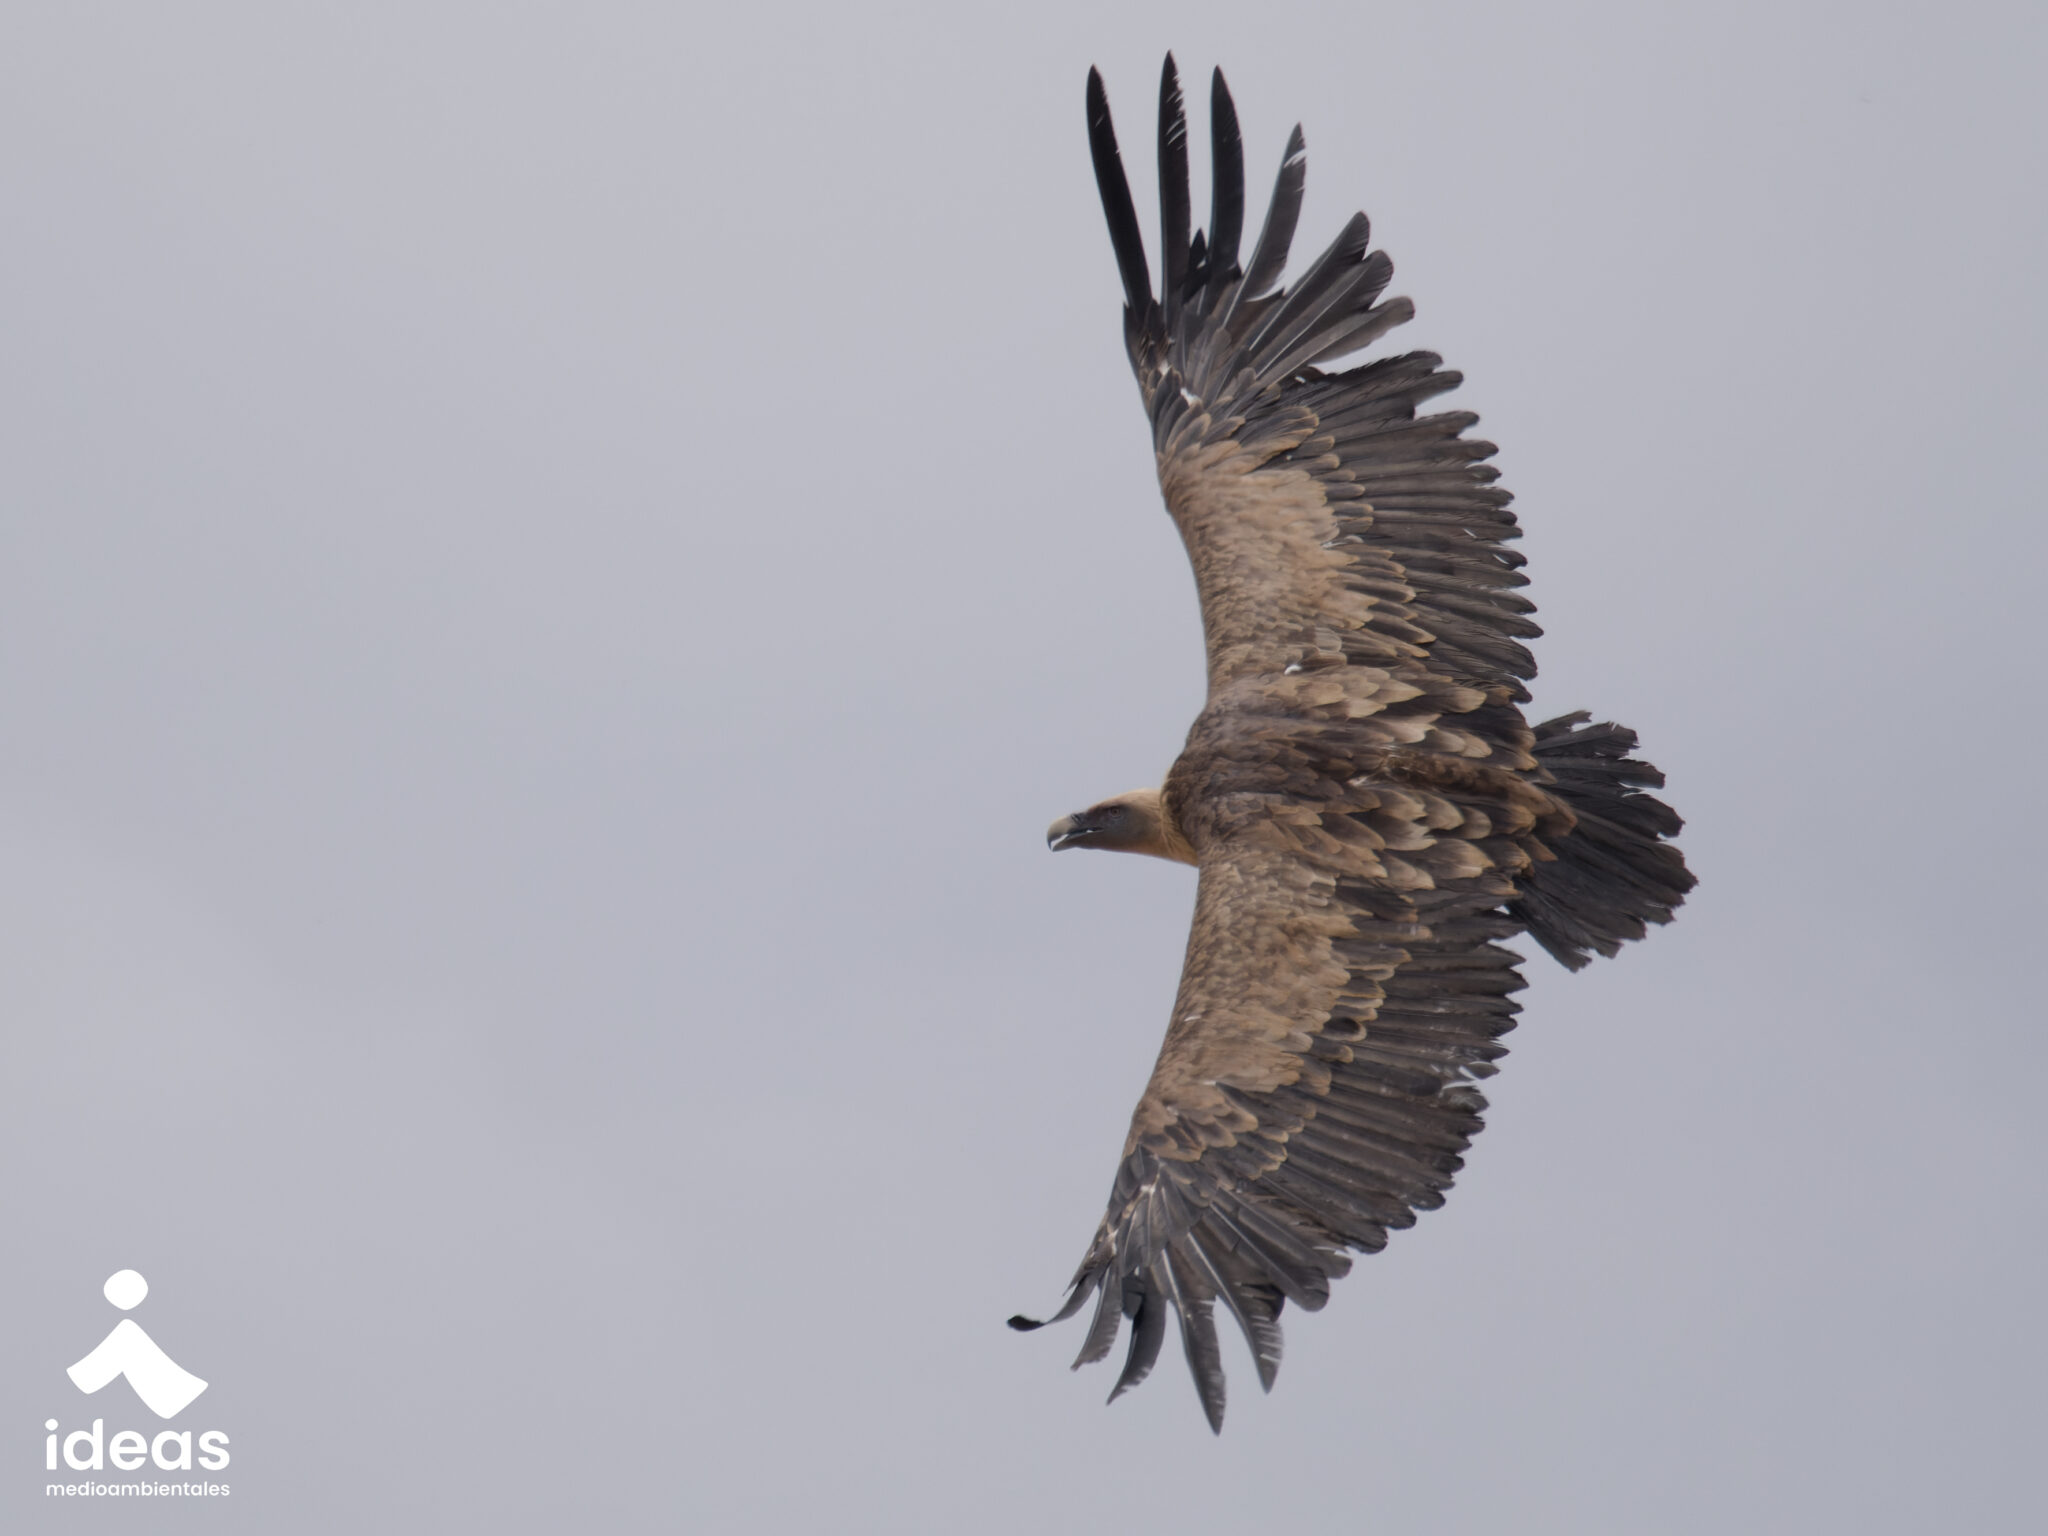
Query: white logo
{"points": [[165, 1387]]}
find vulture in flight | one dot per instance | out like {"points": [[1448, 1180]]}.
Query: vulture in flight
{"points": [[1371, 812]]}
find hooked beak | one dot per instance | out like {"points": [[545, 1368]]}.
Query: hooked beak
{"points": [[1064, 833]]}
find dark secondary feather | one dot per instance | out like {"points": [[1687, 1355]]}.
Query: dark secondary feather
{"points": [[1371, 812]]}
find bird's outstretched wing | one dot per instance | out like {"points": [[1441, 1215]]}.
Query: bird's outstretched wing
{"points": [[1371, 812], [1326, 520]]}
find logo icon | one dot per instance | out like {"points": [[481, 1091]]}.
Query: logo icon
{"points": [[165, 1387]]}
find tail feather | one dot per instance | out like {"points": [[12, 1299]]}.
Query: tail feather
{"points": [[1615, 874]]}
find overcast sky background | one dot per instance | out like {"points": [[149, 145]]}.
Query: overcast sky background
{"points": [[555, 562]]}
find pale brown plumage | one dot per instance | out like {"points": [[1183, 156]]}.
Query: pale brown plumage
{"points": [[1369, 809]]}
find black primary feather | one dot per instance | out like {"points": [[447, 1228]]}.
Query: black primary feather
{"points": [[1174, 203], [1226, 153], [1197, 1334], [1147, 1311], [1116, 199], [1270, 254]]}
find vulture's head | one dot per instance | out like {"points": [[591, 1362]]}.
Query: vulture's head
{"points": [[1132, 823]]}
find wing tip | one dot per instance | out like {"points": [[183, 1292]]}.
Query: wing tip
{"points": [[1174, 211], [1117, 207]]}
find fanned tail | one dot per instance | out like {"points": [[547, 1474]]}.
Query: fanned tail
{"points": [[1615, 874]]}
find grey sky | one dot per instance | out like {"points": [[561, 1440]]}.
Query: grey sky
{"points": [[555, 562]]}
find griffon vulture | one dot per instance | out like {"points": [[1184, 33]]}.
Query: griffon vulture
{"points": [[1369, 809]]}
